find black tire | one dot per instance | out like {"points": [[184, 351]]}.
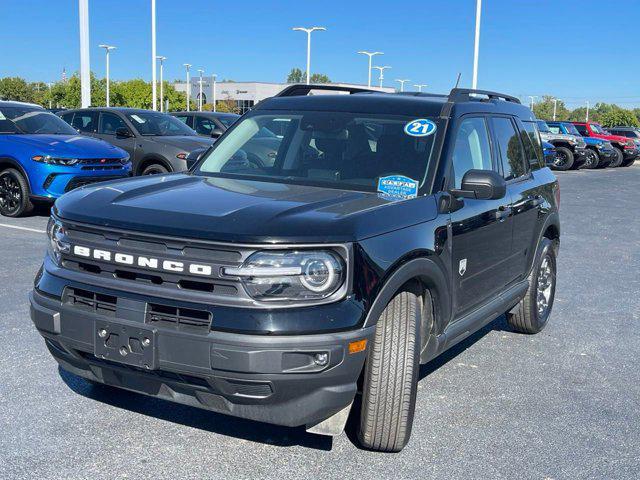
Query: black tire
{"points": [[616, 162], [564, 159], [154, 169], [526, 317], [592, 161], [391, 376], [14, 194], [629, 162]]}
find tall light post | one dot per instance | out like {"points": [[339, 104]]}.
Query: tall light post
{"points": [[555, 108], [200, 71], [586, 118], [107, 49], [213, 90], [419, 86], [85, 80], [381, 69], [162, 59], [370, 55], [153, 55], [308, 30], [188, 66], [402, 81], [532, 97], [50, 97], [476, 48]]}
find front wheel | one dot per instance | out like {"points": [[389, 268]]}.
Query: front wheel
{"points": [[563, 160], [154, 169], [532, 313], [391, 376], [629, 162], [618, 159], [592, 160], [14, 194]]}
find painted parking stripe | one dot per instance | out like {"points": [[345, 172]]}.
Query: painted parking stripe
{"points": [[22, 228]]}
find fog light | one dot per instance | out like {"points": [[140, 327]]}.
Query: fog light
{"points": [[321, 359]]}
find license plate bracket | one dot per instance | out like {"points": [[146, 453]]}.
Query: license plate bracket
{"points": [[125, 343]]}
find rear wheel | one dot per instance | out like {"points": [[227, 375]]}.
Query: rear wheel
{"points": [[563, 160], [154, 169], [391, 376], [14, 194], [592, 160], [618, 159], [629, 162]]}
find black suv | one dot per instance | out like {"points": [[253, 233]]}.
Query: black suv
{"points": [[156, 142], [386, 229], [207, 124]]}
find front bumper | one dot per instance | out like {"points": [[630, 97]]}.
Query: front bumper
{"points": [[273, 379]]}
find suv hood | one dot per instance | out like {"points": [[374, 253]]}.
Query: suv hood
{"points": [[69, 146], [243, 211], [184, 142], [551, 137]]}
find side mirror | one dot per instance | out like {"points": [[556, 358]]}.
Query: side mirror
{"points": [[194, 156], [123, 132], [216, 132], [482, 185]]}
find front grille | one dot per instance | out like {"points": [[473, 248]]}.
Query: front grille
{"points": [[98, 161], [102, 167], [77, 182], [178, 317], [90, 301]]}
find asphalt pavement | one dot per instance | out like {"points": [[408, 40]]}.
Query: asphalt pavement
{"points": [[563, 404]]}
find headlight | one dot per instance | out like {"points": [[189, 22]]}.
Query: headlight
{"points": [[56, 246], [55, 160], [304, 275], [599, 146]]}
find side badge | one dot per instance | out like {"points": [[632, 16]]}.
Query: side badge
{"points": [[462, 267]]}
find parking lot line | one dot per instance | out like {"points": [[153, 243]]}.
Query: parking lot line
{"points": [[35, 230]]}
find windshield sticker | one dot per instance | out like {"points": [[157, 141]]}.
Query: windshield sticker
{"points": [[398, 186], [137, 118], [420, 127]]}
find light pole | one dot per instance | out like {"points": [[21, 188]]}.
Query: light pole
{"points": [[162, 59], [153, 55], [586, 119], [532, 97], [381, 69], [213, 90], [85, 80], [107, 49], [555, 107], [420, 85], [402, 83], [200, 71], [309, 30], [370, 55], [50, 97], [188, 66], [476, 48]]}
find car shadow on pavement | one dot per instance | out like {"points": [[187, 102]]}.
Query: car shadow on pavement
{"points": [[195, 417]]}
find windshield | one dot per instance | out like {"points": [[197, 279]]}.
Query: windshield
{"points": [[32, 121], [543, 127], [154, 123], [598, 129], [571, 128], [335, 149], [228, 120]]}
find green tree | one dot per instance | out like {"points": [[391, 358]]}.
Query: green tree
{"points": [[578, 115], [619, 116], [17, 89], [295, 76], [319, 78], [544, 109]]}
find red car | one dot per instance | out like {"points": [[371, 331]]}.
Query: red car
{"points": [[624, 147]]}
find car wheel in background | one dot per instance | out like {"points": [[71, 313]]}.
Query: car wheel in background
{"points": [[592, 160], [617, 161], [154, 169], [14, 194], [629, 162], [564, 159]]}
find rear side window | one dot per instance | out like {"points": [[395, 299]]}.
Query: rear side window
{"points": [[582, 129], [183, 118], [204, 126], [510, 147], [472, 149], [67, 117], [554, 129], [110, 122], [85, 122], [532, 145]]}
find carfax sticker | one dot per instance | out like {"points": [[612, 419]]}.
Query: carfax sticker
{"points": [[398, 186], [420, 127]]}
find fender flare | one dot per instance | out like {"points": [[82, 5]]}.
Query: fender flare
{"points": [[18, 166], [430, 274], [553, 219]]}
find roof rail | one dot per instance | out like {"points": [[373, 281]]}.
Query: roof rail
{"points": [[299, 90], [464, 95]]}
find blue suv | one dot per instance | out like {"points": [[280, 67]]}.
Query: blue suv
{"points": [[42, 157]]}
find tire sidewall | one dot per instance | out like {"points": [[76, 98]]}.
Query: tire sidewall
{"points": [[619, 158], [568, 154], [24, 192], [546, 251], [149, 169]]}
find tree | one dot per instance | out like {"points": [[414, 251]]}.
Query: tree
{"points": [[228, 105], [295, 76], [619, 116], [319, 78], [544, 109], [15, 88]]}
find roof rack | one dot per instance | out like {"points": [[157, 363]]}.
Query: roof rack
{"points": [[302, 90], [465, 95]]}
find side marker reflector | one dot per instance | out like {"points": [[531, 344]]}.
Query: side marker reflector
{"points": [[357, 346]]}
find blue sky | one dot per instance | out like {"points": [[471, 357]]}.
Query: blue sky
{"points": [[576, 50]]}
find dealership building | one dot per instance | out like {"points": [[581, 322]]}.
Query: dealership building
{"points": [[244, 94]]}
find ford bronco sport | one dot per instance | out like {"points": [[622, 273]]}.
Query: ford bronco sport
{"points": [[386, 229]]}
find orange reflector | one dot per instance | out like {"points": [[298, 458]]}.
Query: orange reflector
{"points": [[357, 346]]}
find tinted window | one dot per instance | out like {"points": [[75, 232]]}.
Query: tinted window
{"points": [[67, 117], [32, 120], [511, 151], [571, 128], [228, 120], [155, 123], [204, 126], [583, 130], [543, 127], [532, 145], [472, 150], [183, 118], [85, 121], [110, 122]]}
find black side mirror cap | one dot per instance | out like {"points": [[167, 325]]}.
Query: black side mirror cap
{"points": [[482, 185], [123, 132]]}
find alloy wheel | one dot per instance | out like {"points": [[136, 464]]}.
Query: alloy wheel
{"points": [[10, 194], [560, 159], [546, 279]]}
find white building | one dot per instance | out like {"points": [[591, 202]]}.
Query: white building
{"points": [[244, 94]]}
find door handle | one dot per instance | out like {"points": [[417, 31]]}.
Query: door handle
{"points": [[502, 213]]}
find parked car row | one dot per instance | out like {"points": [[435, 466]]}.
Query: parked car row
{"points": [[588, 145]]}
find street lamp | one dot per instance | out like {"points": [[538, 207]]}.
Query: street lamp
{"points": [[381, 77], [555, 107], [402, 83], [586, 119], [153, 55], [188, 66], [213, 90], [85, 77], [420, 85], [308, 30], [532, 97], [370, 55], [107, 49], [50, 97], [162, 59], [476, 48], [201, 71]]}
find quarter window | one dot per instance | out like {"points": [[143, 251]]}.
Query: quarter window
{"points": [[85, 121], [110, 122], [510, 147], [472, 149]]}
